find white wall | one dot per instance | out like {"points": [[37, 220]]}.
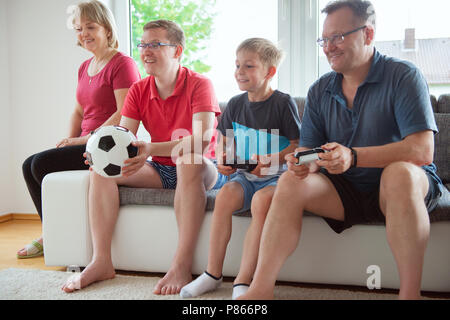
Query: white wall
{"points": [[43, 67], [6, 203]]}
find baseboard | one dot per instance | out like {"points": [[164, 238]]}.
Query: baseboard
{"points": [[25, 216], [6, 217], [19, 216]]}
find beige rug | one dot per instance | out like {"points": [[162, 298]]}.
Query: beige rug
{"points": [[33, 284]]}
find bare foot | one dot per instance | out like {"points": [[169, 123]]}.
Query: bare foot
{"points": [[95, 271], [23, 252], [173, 281], [409, 296], [256, 295]]}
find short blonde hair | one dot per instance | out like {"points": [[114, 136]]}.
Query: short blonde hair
{"points": [[269, 53], [174, 32], [97, 12]]}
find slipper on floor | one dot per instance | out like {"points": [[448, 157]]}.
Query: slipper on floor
{"points": [[34, 249]]}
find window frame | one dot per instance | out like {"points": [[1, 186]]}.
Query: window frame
{"points": [[298, 31], [122, 14]]}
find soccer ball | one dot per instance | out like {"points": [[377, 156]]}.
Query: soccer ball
{"points": [[108, 148]]}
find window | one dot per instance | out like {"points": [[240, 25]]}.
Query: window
{"points": [[411, 30], [295, 25], [292, 24], [235, 21], [213, 29]]}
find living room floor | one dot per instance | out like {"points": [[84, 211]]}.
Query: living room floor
{"points": [[16, 233]]}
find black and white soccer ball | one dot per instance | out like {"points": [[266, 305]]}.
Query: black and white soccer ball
{"points": [[108, 148]]}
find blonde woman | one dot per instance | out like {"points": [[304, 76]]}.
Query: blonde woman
{"points": [[103, 83]]}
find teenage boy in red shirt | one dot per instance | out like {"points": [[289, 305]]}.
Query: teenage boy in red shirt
{"points": [[172, 102]]}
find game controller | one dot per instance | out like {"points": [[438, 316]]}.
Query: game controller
{"points": [[308, 156], [249, 166]]}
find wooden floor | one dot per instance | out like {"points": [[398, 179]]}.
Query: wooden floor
{"points": [[15, 234]]}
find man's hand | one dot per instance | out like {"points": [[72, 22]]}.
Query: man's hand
{"points": [[300, 172], [86, 162], [338, 160]]}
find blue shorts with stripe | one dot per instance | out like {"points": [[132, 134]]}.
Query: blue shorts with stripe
{"points": [[168, 176]]}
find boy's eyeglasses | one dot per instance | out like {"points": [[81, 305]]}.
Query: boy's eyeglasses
{"points": [[154, 45], [336, 39]]}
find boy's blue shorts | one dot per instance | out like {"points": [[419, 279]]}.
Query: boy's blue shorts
{"points": [[249, 187]]}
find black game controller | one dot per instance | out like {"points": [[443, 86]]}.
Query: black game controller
{"points": [[305, 157], [249, 166]]}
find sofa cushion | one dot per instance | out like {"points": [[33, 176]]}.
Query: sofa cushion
{"points": [[441, 146], [442, 211], [161, 197], [300, 105], [434, 103], [444, 103]]}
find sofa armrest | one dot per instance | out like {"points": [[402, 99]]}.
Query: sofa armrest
{"points": [[65, 227]]}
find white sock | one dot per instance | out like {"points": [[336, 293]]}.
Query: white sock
{"points": [[203, 284], [239, 290]]}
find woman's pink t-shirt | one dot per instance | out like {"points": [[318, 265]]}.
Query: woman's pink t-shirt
{"points": [[171, 119], [96, 94]]}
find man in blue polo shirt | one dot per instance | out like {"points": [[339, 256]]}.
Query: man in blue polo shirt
{"points": [[373, 114]]}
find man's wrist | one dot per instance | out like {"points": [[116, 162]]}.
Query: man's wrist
{"points": [[354, 158]]}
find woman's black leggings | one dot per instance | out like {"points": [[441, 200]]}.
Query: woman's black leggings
{"points": [[36, 167]]}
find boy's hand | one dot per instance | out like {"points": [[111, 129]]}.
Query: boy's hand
{"points": [[225, 170], [222, 167], [264, 162], [133, 165]]}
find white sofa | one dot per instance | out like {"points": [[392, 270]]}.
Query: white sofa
{"points": [[145, 237], [145, 240]]}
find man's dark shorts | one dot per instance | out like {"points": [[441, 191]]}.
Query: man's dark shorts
{"points": [[364, 208]]}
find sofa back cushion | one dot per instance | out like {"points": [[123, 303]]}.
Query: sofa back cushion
{"points": [[443, 105], [442, 139], [434, 103], [300, 101], [441, 146]]}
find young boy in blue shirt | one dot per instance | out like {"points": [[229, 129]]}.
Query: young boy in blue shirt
{"points": [[263, 125]]}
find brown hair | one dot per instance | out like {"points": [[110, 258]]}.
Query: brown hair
{"points": [[363, 10], [174, 32]]}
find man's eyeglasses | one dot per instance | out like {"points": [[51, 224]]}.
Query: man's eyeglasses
{"points": [[154, 45], [336, 39]]}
